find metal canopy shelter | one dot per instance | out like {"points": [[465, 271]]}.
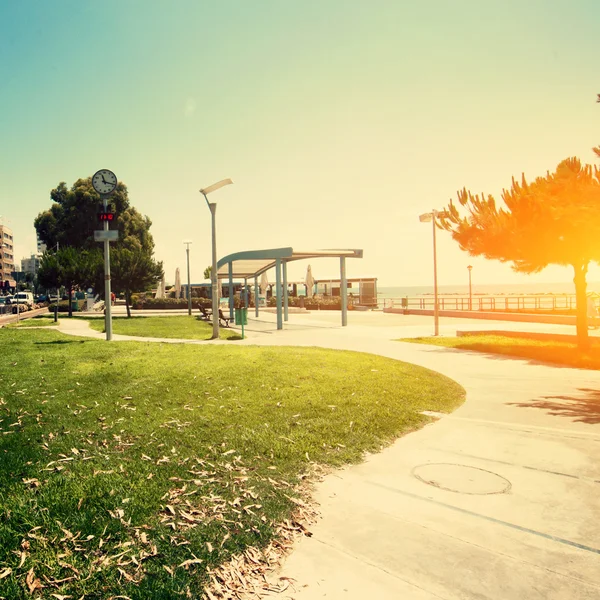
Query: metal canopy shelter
{"points": [[253, 263]]}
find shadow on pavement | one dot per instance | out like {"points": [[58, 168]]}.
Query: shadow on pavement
{"points": [[582, 409], [506, 357]]}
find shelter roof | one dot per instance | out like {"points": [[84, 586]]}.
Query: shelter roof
{"points": [[252, 263]]}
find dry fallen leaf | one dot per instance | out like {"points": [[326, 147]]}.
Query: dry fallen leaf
{"points": [[5, 573], [191, 561], [33, 583]]}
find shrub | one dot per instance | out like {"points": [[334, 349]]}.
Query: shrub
{"points": [[167, 303], [63, 306]]}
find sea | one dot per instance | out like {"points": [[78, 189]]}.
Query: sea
{"points": [[499, 289]]}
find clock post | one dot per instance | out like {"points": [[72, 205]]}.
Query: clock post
{"points": [[107, 290], [105, 183]]}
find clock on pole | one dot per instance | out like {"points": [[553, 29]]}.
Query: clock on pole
{"points": [[104, 182]]}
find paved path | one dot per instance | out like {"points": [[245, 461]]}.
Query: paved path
{"points": [[500, 500]]}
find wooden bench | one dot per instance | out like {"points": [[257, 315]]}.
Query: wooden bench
{"points": [[223, 320], [205, 313]]}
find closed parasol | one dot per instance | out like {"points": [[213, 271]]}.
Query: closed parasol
{"points": [[310, 283], [177, 283]]}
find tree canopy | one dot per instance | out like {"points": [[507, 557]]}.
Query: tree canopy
{"points": [[71, 222], [552, 220], [69, 267], [133, 269]]}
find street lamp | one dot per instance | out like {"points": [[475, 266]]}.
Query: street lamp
{"points": [[425, 218], [470, 267], [189, 285], [212, 206]]}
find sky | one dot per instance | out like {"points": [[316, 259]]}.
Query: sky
{"points": [[338, 121]]}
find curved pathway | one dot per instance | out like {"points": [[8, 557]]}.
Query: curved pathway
{"points": [[500, 500]]}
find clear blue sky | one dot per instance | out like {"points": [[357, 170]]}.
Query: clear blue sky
{"points": [[339, 121]]}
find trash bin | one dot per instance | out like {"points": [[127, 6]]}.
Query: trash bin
{"points": [[241, 316], [74, 305]]}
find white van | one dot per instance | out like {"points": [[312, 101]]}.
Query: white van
{"points": [[23, 298]]}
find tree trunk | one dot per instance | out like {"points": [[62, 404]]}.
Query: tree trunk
{"points": [[128, 302], [69, 301], [579, 280]]}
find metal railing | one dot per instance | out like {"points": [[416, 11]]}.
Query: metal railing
{"points": [[511, 303]]}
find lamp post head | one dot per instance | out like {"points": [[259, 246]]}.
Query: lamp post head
{"points": [[470, 267], [215, 186], [427, 217]]}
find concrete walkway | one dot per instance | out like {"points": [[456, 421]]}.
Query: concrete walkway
{"points": [[500, 500]]}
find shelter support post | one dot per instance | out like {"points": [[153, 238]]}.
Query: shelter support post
{"points": [[246, 299], [256, 296], [278, 292], [344, 291], [285, 292], [231, 290]]}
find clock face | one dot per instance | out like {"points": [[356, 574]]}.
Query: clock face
{"points": [[104, 181]]}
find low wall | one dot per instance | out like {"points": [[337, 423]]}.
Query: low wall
{"points": [[489, 316]]}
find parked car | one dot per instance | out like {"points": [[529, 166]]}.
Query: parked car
{"points": [[23, 298], [41, 298], [6, 299]]}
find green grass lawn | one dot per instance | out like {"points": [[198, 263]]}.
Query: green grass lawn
{"points": [[131, 469], [39, 321], [563, 353], [181, 327]]}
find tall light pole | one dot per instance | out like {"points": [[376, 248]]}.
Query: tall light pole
{"points": [[212, 206], [425, 218], [470, 267], [189, 285]]}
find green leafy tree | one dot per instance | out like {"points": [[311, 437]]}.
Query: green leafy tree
{"points": [[72, 220], [552, 220], [207, 272], [133, 269], [69, 267]]}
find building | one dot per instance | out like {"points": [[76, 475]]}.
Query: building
{"points": [[7, 258], [31, 264]]}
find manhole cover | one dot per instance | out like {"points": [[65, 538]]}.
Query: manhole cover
{"points": [[461, 479]]}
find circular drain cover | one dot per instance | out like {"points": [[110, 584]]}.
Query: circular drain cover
{"points": [[461, 479]]}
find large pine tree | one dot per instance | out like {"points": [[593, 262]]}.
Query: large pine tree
{"points": [[553, 220]]}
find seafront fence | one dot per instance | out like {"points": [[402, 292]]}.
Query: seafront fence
{"points": [[511, 303]]}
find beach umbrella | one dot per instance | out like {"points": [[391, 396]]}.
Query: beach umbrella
{"points": [[310, 283], [160, 291], [177, 283], [264, 283]]}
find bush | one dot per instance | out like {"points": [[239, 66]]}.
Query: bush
{"points": [[168, 303], [63, 306]]}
